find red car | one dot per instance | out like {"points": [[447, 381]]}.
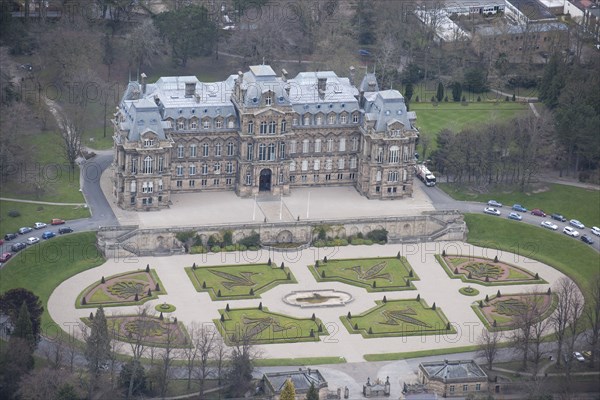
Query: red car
{"points": [[5, 257], [538, 213], [57, 221]]}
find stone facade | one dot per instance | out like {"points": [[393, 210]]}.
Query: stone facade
{"points": [[259, 132], [123, 242], [272, 383], [453, 378]]}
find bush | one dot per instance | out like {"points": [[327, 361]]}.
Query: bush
{"points": [[251, 241], [14, 213], [227, 238], [378, 235], [215, 249]]}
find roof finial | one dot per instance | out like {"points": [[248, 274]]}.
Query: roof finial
{"points": [[263, 60]]}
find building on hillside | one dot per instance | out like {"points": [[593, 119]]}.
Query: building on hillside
{"points": [[257, 132], [272, 383], [556, 7], [453, 378], [586, 13], [526, 11]]}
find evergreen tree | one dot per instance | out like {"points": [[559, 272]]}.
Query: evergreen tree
{"points": [[440, 92], [23, 328], [552, 82], [288, 392], [408, 91], [456, 91], [10, 305], [97, 344], [313, 393], [364, 19]]}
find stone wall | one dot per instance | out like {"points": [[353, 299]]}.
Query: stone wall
{"points": [[430, 226]]}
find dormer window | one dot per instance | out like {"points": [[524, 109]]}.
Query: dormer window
{"points": [[206, 124], [332, 119], [343, 118], [219, 124], [148, 142], [355, 118], [180, 124], [268, 100], [194, 124]]}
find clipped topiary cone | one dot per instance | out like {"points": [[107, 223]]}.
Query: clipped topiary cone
{"points": [[320, 328], [443, 253], [312, 333], [433, 306], [227, 307], [374, 284], [136, 298], [480, 304], [323, 274], [370, 331], [384, 299], [325, 259], [355, 327], [282, 266], [313, 317], [289, 276], [407, 282], [487, 298], [410, 273], [495, 324], [149, 292], [83, 301], [222, 317], [219, 293], [317, 264], [398, 256], [157, 288], [251, 291], [498, 294], [349, 316], [456, 271], [269, 262], [487, 278], [102, 280], [418, 297], [448, 327], [549, 292], [496, 259], [260, 305], [147, 267], [91, 315], [203, 284], [194, 266], [161, 316]]}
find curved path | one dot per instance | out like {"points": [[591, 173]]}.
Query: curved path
{"points": [[434, 286]]}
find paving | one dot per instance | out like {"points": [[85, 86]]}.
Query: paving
{"points": [[314, 204]]}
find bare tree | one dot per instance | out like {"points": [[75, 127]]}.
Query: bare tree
{"points": [[220, 355], [167, 357], [142, 43], [488, 344], [525, 331], [115, 347], [567, 313], [592, 316], [204, 341], [137, 341], [190, 352], [538, 338]]}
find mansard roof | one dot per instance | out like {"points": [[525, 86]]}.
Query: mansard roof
{"points": [[386, 107]]}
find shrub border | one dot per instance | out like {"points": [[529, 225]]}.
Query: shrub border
{"points": [[368, 287], [465, 279], [213, 296], [366, 335], [464, 293], [154, 296], [316, 338]]}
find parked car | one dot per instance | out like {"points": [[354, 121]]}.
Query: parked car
{"points": [[32, 240], [25, 230], [48, 235], [578, 356], [494, 203], [549, 225], [491, 210], [538, 213], [65, 229], [10, 236], [515, 216], [586, 239], [57, 221], [570, 231], [18, 246], [519, 208], [5, 257], [558, 217], [596, 230], [39, 225], [577, 224]]}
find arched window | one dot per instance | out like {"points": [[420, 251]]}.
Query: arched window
{"points": [[230, 149], [250, 127], [218, 148], [394, 155], [205, 150], [148, 165]]}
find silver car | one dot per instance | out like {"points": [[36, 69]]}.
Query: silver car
{"points": [[577, 224]]}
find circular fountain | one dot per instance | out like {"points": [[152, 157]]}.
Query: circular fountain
{"points": [[317, 298]]}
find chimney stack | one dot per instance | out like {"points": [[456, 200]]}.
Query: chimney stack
{"points": [[284, 75], [352, 72], [143, 83], [190, 89]]}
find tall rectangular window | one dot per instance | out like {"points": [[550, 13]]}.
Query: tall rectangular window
{"points": [[292, 146], [161, 164], [394, 155], [250, 127], [193, 150], [217, 168], [192, 169], [204, 169], [341, 163], [305, 146], [205, 150], [329, 145], [180, 151], [230, 149], [229, 167], [262, 152], [263, 128], [355, 118], [354, 144], [179, 170], [342, 144], [272, 152], [282, 150], [283, 126], [218, 149], [250, 151], [317, 145], [353, 163], [272, 127]]}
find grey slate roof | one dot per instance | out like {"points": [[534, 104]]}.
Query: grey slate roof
{"points": [[301, 379], [519, 29], [453, 370], [386, 107]]}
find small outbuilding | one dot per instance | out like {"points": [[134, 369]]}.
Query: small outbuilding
{"points": [[272, 383], [453, 378]]}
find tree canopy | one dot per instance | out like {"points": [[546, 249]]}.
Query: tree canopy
{"points": [[10, 305]]}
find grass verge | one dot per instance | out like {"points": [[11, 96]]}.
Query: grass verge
{"points": [[307, 361], [43, 267], [572, 202], [31, 213]]}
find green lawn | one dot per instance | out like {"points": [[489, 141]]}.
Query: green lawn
{"points": [[43, 267], [572, 202], [230, 282], [48, 169], [570, 256], [95, 139], [308, 361], [398, 318], [455, 116], [264, 327], [123, 296], [374, 274], [31, 213]]}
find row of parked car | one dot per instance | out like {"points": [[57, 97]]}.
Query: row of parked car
{"points": [[18, 246], [493, 206]]}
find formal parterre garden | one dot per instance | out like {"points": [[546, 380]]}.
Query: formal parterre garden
{"points": [[501, 312], [147, 329], [260, 326], [129, 288], [399, 318], [231, 282], [373, 274], [484, 271]]}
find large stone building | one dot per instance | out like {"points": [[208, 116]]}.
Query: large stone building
{"points": [[453, 378], [260, 132]]}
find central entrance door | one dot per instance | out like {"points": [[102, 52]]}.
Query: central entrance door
{"points": [[264, 184]]}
